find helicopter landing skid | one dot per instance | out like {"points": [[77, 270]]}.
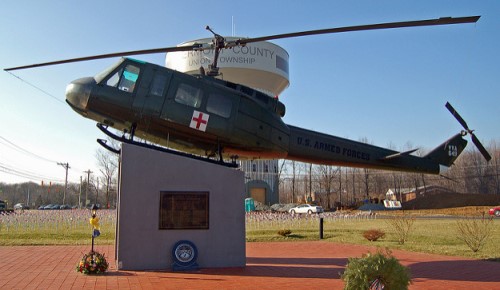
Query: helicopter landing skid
{"points": [[122, 139], [104, 144]]}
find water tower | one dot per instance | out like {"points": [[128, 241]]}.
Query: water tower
{"points": [[260, 65]]}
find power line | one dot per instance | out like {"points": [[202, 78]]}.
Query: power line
{"points": [[38, 88], [10, 144], [18, 148], [25, 174]]}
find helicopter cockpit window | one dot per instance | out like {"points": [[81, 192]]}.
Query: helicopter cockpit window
{"points": [[125, 79], [129, 78], [188, 95], [114, 79], [219, 105]]}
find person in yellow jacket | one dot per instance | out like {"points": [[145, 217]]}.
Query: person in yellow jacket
{"points": [[94, 221]]}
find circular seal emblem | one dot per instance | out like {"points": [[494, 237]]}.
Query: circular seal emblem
{"points": [[184, 253]]}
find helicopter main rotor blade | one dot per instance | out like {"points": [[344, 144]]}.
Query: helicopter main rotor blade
{"points": [[457, 116], [109, 55], [429, 22], [197, 46]]}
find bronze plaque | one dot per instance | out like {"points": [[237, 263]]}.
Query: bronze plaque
{"points": [[183, 210]]}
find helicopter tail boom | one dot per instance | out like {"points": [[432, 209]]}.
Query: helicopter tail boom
{"points": [[446, 153], [314, 147]]}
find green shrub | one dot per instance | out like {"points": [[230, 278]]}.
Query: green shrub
{"points": [[372, 270], [284, 233], [373, 234]]}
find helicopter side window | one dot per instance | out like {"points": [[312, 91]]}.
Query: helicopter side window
{"points": [[158, 85], [188, 95], [219, 105]]}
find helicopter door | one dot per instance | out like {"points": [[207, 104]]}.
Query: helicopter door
{"points": [[156, 95], [141, 92]]}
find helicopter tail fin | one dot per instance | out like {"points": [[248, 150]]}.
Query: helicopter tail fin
{"points": [[446, 153]]}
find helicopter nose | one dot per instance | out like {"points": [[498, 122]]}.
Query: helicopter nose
{"points": [[78, 93]]}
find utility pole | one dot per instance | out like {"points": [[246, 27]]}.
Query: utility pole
{"points": [[108, 181], [340, 187], [28, 200], [97, 191], [310, 183], [80, 195], [87, 187], [66, 166]]}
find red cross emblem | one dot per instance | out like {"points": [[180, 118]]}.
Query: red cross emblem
{"points": [[199, 121]]}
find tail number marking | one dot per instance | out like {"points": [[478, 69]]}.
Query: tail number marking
{"points": [[452, 150]]}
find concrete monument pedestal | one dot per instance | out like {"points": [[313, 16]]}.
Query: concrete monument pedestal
{"points": [[165, 198]]}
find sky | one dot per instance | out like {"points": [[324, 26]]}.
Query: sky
{"points": [[388, 87]]}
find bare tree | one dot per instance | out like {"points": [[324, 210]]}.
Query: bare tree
{"points": [[366, 174], [327, 175], [309, 182], [281, 171], [495, 162], [341, 189], [294, 179], [108, 166]]}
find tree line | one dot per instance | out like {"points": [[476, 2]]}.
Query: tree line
{"points": [[338, 186], [298, 182]]}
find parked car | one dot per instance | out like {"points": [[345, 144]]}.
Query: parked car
{"points": [[90, 205], [306, 208], [51, 206], [65, 206], [495, 211], [19, 206]]}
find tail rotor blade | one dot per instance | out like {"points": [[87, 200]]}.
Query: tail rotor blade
{"points": [[480, 147], [475, 140], [457, 116]]}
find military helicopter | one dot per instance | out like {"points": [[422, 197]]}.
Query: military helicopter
{"points": [[205, 117]]}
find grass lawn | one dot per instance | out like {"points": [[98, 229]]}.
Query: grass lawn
{"points": [[55, 227], [439, 236]]}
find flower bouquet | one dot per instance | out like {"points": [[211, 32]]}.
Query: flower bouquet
{"points": [[92, 263]]}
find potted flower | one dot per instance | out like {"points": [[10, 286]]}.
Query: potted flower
{"points": [[92, 263]]}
